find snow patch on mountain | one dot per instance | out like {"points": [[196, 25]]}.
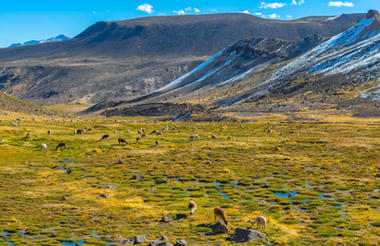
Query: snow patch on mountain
{"points": [[193, 72], [356, 48], [236, 78], [333, 18], [58, 38]]}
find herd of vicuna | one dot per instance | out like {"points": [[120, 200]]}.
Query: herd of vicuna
{"points": [[220, 215], [62, 145]]}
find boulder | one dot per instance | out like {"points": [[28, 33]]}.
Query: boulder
{"points": [[164, 244], [164, 238], [155, 242], [219, 227], [137, 177], [181, 242], [246, 235], [139, 239], [167, 218]]}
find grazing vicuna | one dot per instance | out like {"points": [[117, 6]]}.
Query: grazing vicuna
{"points": [[48, 132], [138, 139], [259, 221], [44, 146], [104, 137], [220, 214], [157, 143], [192, 207], [61, 146], [141, 131], [156, 132], [78, 131], [28, 134], [122, 140]]}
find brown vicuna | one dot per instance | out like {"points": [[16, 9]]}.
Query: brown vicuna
{"points": [[138, 139], [122, 140], [259, 221], [78, 131], [192, 207], [157, 143], [104, 137], [156, 132], [220, 214], [48, 132], [28, 134], [61, 146]]}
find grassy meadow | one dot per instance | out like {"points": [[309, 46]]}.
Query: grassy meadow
{"points": [[315, 183]]}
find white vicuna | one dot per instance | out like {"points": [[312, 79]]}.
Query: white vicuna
{"points": [[259, 221], [44, 146], [192, 207]]}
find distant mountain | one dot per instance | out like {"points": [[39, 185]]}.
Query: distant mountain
{"points": [[123, 60], [58, 38], [178, 36], [342, 72]]}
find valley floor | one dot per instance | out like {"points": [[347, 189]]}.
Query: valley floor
{"points": [[315, 183]]}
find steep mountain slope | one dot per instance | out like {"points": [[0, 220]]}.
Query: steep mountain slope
{"points": [[353, 55], [9, 103], [58, 38], [127, 59], [240, 60], [342, 72]]}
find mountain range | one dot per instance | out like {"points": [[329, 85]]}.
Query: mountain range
{"points": [[58, 38], [221, 62], [261, 74], [123, 60]]}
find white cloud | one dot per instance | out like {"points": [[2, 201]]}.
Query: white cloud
{"points": [[289, 17], [145, 8], [340, 4], [179, 12], [300, 2], [244, 12], [273, 16], [188, 9], [264, 5], [259, 14]]}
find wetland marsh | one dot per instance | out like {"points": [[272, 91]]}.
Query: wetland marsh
{"points": [[315, 183]]}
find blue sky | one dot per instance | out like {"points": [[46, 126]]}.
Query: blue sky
{"points": [[24, 20]]}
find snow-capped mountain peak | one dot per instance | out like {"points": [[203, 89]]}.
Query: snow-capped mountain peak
{"points": [[358, 47], [58, 38]]}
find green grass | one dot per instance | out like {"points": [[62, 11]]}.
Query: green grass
{"points": [[332, 168]]}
